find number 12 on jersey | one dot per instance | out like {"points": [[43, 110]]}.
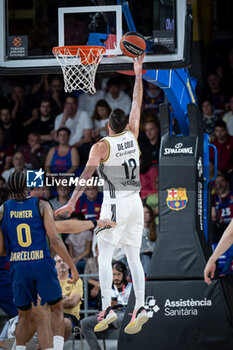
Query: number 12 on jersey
{"points": [[130, 167]]}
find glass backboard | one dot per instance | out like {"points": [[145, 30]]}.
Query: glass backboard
{"points": [[30, 29]]}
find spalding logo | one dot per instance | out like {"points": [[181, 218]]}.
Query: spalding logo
{"points": [[178, 145]]}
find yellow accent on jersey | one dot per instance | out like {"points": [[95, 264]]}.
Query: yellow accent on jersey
{"points": [[119, 134], [108, 154], [26, 256], [28, 241], [21, 214]]}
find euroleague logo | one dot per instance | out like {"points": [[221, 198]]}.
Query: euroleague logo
{"points": [[17, 42]]}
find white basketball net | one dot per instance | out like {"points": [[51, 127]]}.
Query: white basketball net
{"points": [[79, 67]]}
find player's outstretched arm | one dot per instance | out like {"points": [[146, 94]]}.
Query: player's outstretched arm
{"points": [[97, 153], [225, 242], [55, 241], [77, 226], [134, 117]]}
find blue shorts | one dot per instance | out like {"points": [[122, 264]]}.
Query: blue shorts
{"points": [[30, 278]]}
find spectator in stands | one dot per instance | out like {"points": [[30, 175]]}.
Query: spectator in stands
{"points": [[148, 174], [228, 72], [92, 267], [45, 123], [87, 101], [149, 140], [76, 120], [42, 192], [208, 118], [2, 181], [62, 158], [153, 97], [216, 94], [224, 145], [71, 296], [153, 201], [121, 289], [148, 238], [80, 125], [89, 204], [2, 99], [9, 126], [79, 246], [6, 153], [18, 164], [63, 193], [24, 112], [34, 154], [222, 206], [100, 119], [55, 93], [117, 98], [228, 117]]}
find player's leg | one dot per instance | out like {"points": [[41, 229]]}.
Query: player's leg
{"points": [[107, 316], [51, 294], [21, 332], [58, 324], [139, 315], [41, 323]]}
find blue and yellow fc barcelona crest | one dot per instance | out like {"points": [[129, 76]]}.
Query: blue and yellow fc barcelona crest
{"points": [[176, 198]]}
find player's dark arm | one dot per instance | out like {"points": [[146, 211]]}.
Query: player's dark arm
{"points": [[98, 152], [77, 226], [134, 117], [2, 243], [55, 241]]}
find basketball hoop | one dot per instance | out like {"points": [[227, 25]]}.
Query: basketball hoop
{"points": [[79, 65]]}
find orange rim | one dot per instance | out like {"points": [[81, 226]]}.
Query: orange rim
{"points": [[73, 49], [87, 53]]}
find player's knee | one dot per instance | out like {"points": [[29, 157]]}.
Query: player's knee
{"points": [[56, 307], [68, 326]]}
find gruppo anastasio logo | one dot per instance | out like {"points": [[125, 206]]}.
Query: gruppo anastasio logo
{"points": [[35, 178], [178, 149]]}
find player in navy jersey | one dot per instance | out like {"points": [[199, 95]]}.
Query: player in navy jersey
{"points": [[26, 222]]}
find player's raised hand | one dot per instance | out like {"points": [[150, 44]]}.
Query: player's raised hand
{"points": [[105, 222], [68, 208], [209, 271], [74, 276], [138, 64]]}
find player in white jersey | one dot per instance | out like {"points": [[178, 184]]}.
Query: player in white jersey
{"points": [[118, 159]]}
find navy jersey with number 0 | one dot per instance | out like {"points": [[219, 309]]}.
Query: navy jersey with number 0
{"points": [[24, 230]]}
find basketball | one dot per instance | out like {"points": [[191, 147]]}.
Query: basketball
{"points": [[132, 44]]}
